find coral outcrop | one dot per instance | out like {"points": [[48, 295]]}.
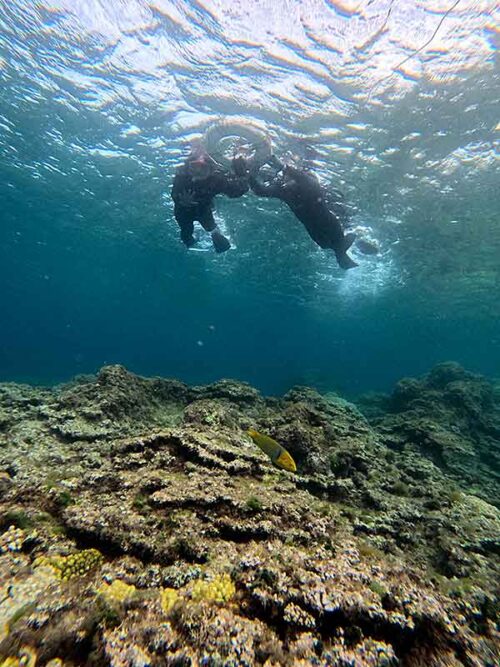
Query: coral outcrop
{"points": [[452, 417], [140, 525]]}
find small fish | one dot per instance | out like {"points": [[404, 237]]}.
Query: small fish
{"points": [[278, 454]]}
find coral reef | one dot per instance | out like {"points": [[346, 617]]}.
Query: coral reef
{"points": [[219, 589], [75, 565], [452, 417], [140, 525]]}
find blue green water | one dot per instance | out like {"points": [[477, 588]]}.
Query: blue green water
{"points": [[98, 104]]}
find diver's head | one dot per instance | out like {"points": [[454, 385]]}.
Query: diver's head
{"points": [[200, 167]]}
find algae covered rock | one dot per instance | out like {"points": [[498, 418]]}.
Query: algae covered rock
{"points": [[113, 403], [212, 413], [452, 417], [240, 393], [140, 525]]}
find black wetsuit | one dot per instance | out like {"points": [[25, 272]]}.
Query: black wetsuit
{"points": [[306, 198], [193, 199]]}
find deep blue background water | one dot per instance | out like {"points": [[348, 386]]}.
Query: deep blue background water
{"points": [[73, 301]]}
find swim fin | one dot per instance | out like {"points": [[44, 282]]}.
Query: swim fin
{"points": [[344, 261], [367, 247], [221, 243]]}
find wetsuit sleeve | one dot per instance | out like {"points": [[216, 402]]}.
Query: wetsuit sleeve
{"points": [[232, 186], [273, 189], [274, 162], [179, 185]]}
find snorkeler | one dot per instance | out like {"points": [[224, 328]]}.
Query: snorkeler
{"points": [[306, 198], [196, 183]]}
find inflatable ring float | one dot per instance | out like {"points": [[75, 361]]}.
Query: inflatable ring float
{"points": [[227, 138]]}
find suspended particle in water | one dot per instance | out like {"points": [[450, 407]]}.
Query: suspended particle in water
{"points": [[211, 327], [200, 343]]}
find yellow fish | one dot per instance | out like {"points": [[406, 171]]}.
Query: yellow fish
{"points": [[278, 454]]}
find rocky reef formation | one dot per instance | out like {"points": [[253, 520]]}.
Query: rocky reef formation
{"points": [[451, 417], [140, 525]]}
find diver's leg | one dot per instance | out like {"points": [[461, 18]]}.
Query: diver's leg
{"points": [[186, 225], [344, 261], [187, 235], [221, 243], [348, 240], [340, 243], [328, 234], [207, 221], [340, 248]]}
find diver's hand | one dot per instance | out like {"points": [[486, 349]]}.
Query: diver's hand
{"points": [[187, 198], [239, 165], [274, 162]]}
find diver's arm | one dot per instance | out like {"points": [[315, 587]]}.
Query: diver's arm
{"points": [[235, 183], [273, 189], [275, 163], [231, 185], [236, 186], [179, 185]]}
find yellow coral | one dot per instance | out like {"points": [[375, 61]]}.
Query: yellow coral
{"points": [[168, 597], [75, 565], [25, 658], [10, 662], [219, 589], [12, 540], [117, 592]]}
